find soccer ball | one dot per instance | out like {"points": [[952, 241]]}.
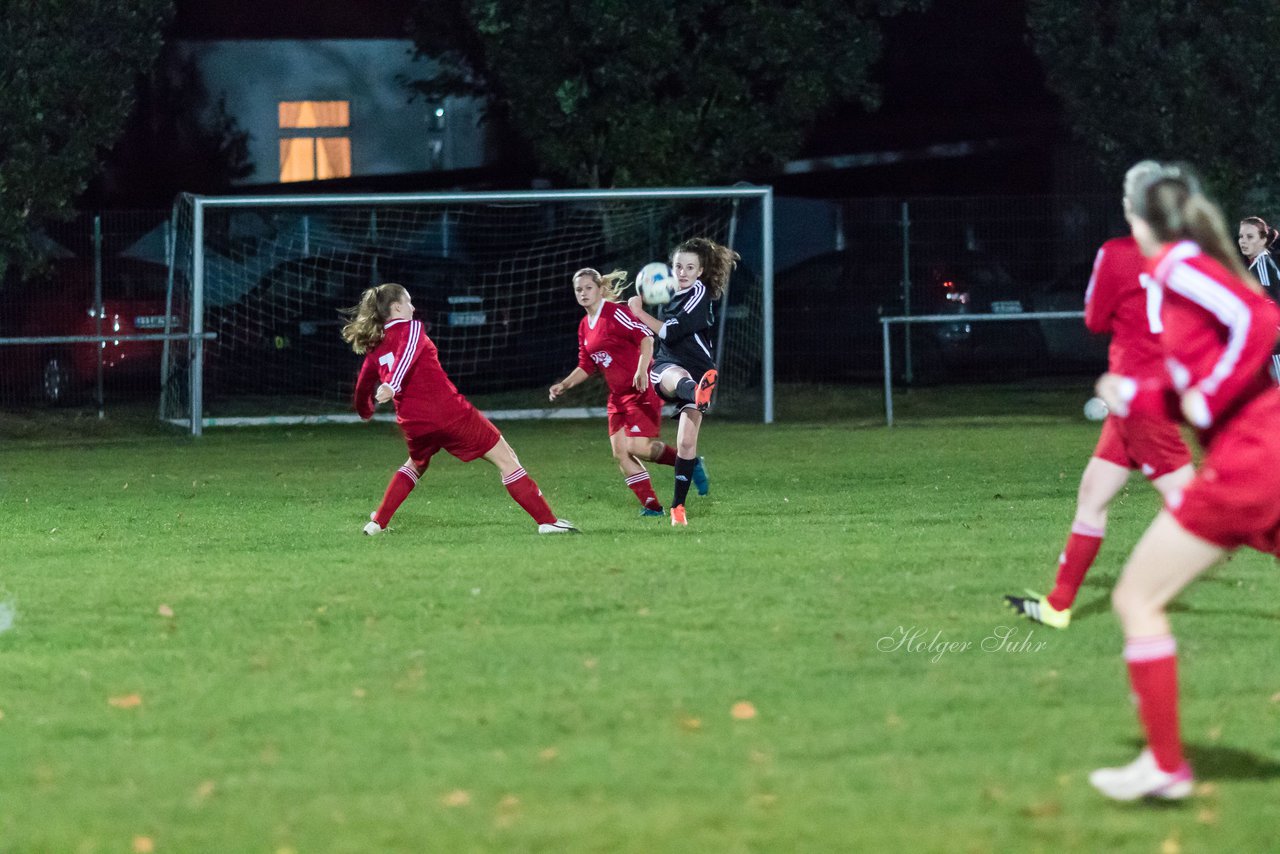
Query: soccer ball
{"points": [[1096, 409], [655, 284]]}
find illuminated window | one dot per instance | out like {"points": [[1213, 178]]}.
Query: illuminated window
{"points": [[324, 151]]}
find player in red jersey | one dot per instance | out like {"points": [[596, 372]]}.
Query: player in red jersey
{"points": [[1119, 301], [1218, 332], [401, 365], [612, 340]]}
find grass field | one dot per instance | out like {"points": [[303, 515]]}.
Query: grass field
{"points": [[208, 657]]}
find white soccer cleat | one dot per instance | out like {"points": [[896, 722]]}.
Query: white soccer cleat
{"points": [[373, 528], [559, 526], [1142, 778]]}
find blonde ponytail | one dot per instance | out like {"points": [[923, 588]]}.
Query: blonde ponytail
{"points": [[364, 329], [611, 285]]}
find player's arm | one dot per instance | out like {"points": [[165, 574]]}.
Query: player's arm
{"points": [[641, 379], [1127, 396], [366, 384], [636, 304], [405, 353], [576, 377], [1251, 335], [1100, 295]]}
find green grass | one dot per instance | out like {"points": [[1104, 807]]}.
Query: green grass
{"points": [[462, 684]]}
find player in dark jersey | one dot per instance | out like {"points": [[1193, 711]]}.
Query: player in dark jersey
{"points": [[1256, 240], [685, 348], [401, 365], [612, 341]]}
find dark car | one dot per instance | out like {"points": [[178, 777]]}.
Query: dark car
{"points": [[827, 321], [283, 335], [1069, 344], [59, 302]]}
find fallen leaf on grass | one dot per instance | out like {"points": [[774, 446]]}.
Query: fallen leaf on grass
{"points": [[143, 845], [1043, 809], [125, 701], [164, 611], [743, 711], [456, 798], [1171, 845], [691, 724]]}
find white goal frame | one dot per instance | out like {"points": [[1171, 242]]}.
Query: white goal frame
{"points": [[907, 320], [199, 204]]}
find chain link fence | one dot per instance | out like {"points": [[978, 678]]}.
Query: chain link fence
{"points": [[840, 266]]}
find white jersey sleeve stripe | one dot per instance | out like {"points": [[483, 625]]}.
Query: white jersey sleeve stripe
{"points": [[1228, 308], [1093, 276], [698, 290], [410, 347]]}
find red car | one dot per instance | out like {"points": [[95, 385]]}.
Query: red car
{"points": [[60, 302]]}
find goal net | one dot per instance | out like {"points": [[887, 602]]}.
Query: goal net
{"points": [[490, 276]]}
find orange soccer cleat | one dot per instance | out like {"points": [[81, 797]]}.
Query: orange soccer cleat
{"points": [[706, 386], [677, 517]]}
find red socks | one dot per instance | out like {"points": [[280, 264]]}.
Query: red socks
{"points": [[668, 457], [1077, 557], [402, 483], [643, 488], [527, 495], [1153, 673]]}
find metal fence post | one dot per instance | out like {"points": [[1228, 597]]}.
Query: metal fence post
{"points": [[888, 374], [98, 309], [906, 290]]}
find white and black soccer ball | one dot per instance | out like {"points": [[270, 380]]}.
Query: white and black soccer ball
{"points": [[655, 284]]}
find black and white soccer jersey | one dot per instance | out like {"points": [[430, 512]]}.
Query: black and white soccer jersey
{"points": [[1268, 275], [685, 338]]}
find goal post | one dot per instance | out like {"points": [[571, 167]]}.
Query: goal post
{"points": [[266, 277]]}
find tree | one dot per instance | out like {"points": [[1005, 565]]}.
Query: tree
{"points": [[1172, 80], [666, 92], [67, 72], [176, 139]]}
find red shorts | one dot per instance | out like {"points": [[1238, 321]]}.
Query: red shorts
{"points": [[1152, 445], [635, 414], [1234, 499], [469, 438]]}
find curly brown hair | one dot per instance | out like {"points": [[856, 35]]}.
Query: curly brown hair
{"points": [[717, 262]]}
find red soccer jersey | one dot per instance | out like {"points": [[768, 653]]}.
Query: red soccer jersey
{"points": [[1119, 300], [1218, 335], [408, 361], [611, 342]]}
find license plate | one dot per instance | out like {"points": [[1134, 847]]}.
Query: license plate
{"points": [[152, 321], [1006, 306]]}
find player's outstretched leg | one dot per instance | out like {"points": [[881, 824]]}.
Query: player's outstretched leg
{"points": [[525, 492], [1036, 608], [700, 480], [627, 453], [401, 484]]}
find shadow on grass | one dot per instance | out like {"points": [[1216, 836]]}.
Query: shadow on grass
{"points": [[1216, 762]]}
